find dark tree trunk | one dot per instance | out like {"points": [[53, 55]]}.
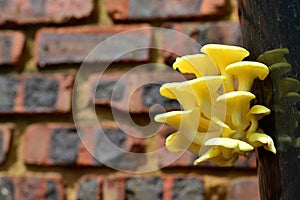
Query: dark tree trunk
{"points": [[267, 25]]}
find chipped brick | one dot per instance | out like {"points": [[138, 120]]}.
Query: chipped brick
{"points": [[143, 10], [30, 94], [44, 11], [11, 47], [73, 45]]}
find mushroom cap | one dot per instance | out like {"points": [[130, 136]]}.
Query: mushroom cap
{"points": [[273, 56], [229, 143], [178, 118], [207, 86], [198, 64], [259, 111], [292, 98], [216, 155], [279, 69], [236, 97], [182, 91], [289, 85], [176, 142], [248, 68], [223, 55], [182, 121], [261, 139], [206, 90]]}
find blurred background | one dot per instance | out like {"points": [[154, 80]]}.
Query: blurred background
{"points": [[44, 154]]}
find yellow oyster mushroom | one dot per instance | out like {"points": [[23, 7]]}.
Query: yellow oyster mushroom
{"points": [[256, 113], [182, 91], [246, 72], [225, 151], [193, 93], [223, 55], [176, 142], [238, 104], [220, 156], [206, 91], [186, 121], [226, 130], [229, 143], [198, 64], [261, 139]]}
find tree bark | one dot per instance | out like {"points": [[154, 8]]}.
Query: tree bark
{"points": [[268, 25]]}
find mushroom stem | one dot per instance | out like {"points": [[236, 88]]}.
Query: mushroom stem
{"points": [[238, 103], [246, 72]]}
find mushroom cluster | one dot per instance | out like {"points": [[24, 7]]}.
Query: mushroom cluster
{"points": [[284, 97], [218, 122]]}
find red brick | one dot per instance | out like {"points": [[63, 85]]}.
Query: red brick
{"points": [[62, 144], [90, 187], [132, 187], [101, 187], [11, 47], [6, 134], [29, 94], [175, 44], [114, 188], [72, 45], [46, 11], [164, 187], [31, 187], [169, 159], [143, 10], [136, 92], [245, 188]]}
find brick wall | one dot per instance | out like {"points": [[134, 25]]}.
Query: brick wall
{"points": [[53, 149]]}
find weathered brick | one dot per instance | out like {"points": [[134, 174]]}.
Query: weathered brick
{"points": [[188, 188], [130, 141], [89, 187], [141, 10], [245, 188], [44, 11], [31, 187], [114, 188], [129, 187], [11, 46], [72, 45], [196, 35], [63, 144], [6, 134], [27, 94], [136, 93], [183, 187], [144, 188], [169, 159]]}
